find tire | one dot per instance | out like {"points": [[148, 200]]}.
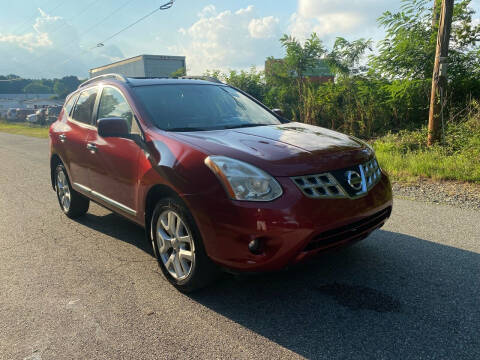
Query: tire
{"points": [[72, 203], [179, 248]]}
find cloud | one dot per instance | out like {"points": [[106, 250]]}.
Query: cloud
{"points": [[330, 19], [27, 41], [263, 28], [51, 49], [208, 10], [228, 40]]}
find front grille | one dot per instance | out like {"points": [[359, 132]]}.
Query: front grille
{"points": [[318, 186], [351, 182], [372, 173], [351, 232]]}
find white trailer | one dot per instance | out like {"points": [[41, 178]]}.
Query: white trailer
{"points": [[143, 66]]}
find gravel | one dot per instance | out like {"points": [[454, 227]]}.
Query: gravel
{"points": [[458, 194]]}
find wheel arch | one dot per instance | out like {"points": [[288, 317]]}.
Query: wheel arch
{"points": [[154, 194], [54, 162]]}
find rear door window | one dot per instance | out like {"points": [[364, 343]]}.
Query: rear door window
{"points": [[84, 108]]}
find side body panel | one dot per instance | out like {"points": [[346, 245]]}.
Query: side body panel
{"points": [[113, 171], [68, 141]]}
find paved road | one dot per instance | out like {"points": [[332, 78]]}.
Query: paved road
{"points": [[91, 288]]}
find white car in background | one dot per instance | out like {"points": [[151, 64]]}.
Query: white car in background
{"points": [[32, 118]]}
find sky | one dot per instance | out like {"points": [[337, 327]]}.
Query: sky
{"points": [[55, 38]]}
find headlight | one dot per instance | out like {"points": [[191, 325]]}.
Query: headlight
{"points": [[243, 181]]}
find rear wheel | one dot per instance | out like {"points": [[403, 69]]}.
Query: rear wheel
{"points": [[179, 247], [72, 203]]}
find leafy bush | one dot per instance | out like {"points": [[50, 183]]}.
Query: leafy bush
{"points": [[405, 154]]}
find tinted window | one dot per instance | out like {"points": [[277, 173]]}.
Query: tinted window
{"points": [[84, 108], [113, 104], [69, 105], [201, 107]]}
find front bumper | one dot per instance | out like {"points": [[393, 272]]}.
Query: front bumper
{"points": [[291, 228]]}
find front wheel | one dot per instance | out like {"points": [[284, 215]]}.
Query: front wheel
{"points": [[179, 247], [72, 203]]}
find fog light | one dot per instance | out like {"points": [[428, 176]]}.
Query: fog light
{"points": [[255, 246]]}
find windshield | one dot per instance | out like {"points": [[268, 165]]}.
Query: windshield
{"points": [[193, 107]]}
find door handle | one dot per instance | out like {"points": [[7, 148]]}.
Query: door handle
{"points": [[92, 148], [62, 137]]}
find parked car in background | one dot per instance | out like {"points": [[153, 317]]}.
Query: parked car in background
{"points": [[11, 114], [23, 113], [217, 179], [41, 116], [54, 110], [52, 113], [32, 118], [44, 116], [18, 114]]}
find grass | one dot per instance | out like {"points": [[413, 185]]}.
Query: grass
{"points": [[406, 157], [429, 164], [24, 129]]}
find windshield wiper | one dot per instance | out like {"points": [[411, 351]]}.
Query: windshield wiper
{"points": [[244, 126], [186, 129]]}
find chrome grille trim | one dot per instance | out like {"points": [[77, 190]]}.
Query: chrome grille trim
{"points": [[329, 186], [320, 186], [372, 173]]}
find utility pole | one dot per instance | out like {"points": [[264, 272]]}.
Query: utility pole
{"points": [[439, 79]]}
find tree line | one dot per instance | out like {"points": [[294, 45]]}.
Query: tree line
{"points": [[13, 84], [372, 94], [385, 91]]}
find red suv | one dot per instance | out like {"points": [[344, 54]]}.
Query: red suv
{"points": [[217, 179]]}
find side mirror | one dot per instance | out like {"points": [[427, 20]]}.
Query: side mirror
{"points": [[113, 127], [278, 112]]}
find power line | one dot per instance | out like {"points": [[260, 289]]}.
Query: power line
{"points": [[28, 20], [73, 17], [165, 6], [106, 17], [62, 2], [70, 44]]}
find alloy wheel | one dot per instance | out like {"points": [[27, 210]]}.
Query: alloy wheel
{"points": [[175, 245], [63, 191]]}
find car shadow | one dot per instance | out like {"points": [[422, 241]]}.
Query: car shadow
{"points": [[118, 227], [390, 296]]}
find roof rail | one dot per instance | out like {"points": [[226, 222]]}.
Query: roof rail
{"points": [[102, 77], [206, 78]]}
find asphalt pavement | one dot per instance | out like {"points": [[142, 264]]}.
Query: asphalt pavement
{"points": [[91, 288]]}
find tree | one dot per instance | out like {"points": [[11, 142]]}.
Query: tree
{"points": [[345, 56], [64, 86], [36, 87], [179, 72], [298, 59], [252, 82], [408, 50]]}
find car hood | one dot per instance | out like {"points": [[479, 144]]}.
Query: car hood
{"points": [[283, 150]]}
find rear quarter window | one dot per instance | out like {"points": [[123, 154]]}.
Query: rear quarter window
{"points": [[68, 106], [84, 107]]}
